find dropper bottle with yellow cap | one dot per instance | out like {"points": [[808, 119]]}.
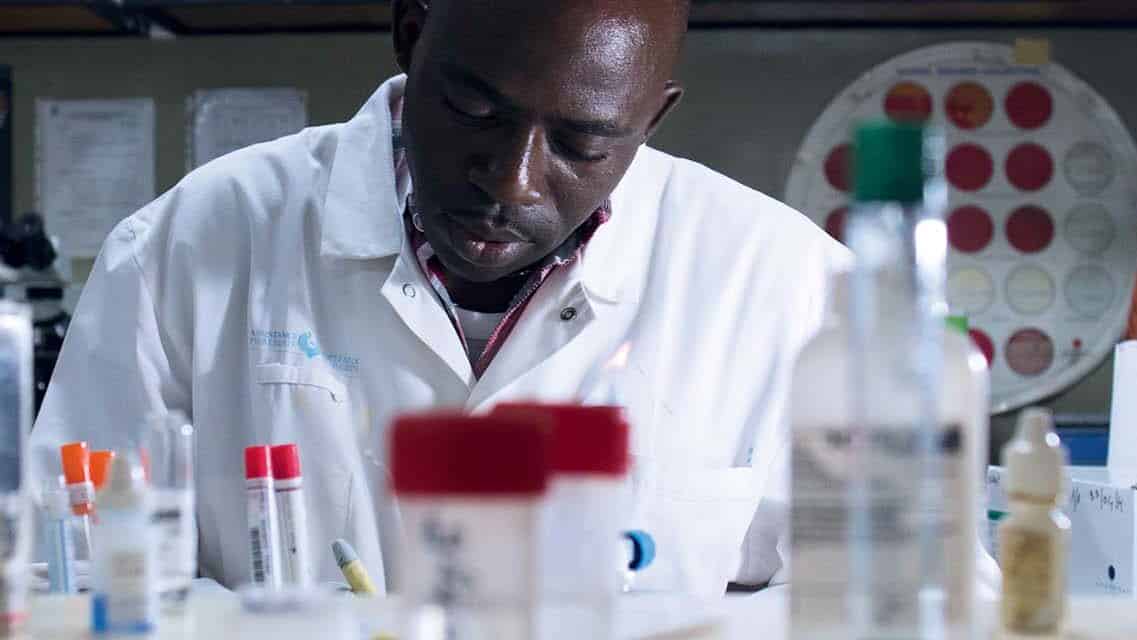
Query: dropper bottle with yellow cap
{"points": [[1033, 540]]}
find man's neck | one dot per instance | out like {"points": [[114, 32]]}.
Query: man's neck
{"points": [[484, 297]]}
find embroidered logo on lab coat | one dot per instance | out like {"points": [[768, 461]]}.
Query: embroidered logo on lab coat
{"points": [[302, 343]]}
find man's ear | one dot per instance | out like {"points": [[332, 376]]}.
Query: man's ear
{"points": [[407, 21], [672, 93]]}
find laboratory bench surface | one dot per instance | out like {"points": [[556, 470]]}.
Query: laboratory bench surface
{"points": [[219, 616]]}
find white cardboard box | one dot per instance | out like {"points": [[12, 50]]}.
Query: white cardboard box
{"points": [[1103, 545]]}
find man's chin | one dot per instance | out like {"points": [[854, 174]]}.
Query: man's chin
{"points": [[476, 273]]}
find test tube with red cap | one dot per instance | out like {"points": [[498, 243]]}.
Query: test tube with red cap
{"points": [[289, 485], [260, 506], [469, 491], [583, 556]]}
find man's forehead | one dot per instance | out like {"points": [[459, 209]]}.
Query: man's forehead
{"points": [[615, 26], [594, 43]]}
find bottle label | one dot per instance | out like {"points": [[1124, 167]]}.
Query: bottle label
{"points": [[174, 527], [1032, 593], [81, 493], [127, 602], [897, 506], [262, 537]]}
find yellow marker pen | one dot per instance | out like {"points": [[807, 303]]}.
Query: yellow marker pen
{"points": [[353, 570]]}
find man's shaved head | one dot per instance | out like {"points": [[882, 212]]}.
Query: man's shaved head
{"points": [[521, 117]]}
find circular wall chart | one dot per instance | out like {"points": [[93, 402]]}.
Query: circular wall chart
{"points": [[1042, 203]]}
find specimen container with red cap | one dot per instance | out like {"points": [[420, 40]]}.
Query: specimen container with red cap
{"points": [[469, 491], [289, 485], [582, 554], [260, 506]]}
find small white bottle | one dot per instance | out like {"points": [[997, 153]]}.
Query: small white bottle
{"points": [[288, 482], [583, 557], [469, 489], [1034, 538], [260, 506], [124, 598]]}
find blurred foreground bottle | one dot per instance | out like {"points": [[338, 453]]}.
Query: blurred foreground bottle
{"points": [[16, 513], [888, 414], [470, 491]]}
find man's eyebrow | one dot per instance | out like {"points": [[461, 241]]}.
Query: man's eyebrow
{"points": [[456, 74]]}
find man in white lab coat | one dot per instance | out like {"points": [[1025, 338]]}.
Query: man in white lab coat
{"points": [[488, 227]]}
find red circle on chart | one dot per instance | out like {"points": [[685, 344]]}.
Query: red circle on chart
{"points": [[908, 102], [838, 167], [1030, 229], [969, 105], [1029, 352], [983, 342], [969, 167], [1029, 167], [835, 223], [1028, 105], [970, 229]]}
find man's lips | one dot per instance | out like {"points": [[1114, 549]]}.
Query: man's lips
{"points": [[483, 229], [482, 244]]}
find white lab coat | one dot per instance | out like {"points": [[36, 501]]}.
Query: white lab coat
{"points": [[272, 295]]}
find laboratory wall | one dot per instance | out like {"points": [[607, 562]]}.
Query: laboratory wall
{"points": [[752, 94]]}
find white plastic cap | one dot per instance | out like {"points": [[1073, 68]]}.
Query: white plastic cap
{"points": [[1035, 457], [126, 487]]}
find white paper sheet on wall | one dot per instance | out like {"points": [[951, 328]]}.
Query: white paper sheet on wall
{"points": [[224, 120], [94, 167]]}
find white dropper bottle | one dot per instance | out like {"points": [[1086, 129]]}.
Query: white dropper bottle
{"points": [[124, 598], [1033, 540]]}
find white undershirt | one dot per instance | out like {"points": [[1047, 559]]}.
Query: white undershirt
{"points": [[477, 327]]}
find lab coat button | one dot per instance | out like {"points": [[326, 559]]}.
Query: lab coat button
{"points": [[568, 313], [409, 290]]}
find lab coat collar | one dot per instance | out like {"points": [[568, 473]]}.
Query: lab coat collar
{"points": [[362, 213], [363, 209]]}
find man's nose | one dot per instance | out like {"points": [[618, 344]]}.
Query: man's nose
{"points": [[512, 172]]}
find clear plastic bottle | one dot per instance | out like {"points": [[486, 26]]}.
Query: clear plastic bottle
{"points": [[1033, 540], [124, 598], [888, 415], [170, 438]]}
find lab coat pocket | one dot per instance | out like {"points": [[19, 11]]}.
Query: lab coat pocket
{"points": [[311, 407], [310, 377], [699, 518]]}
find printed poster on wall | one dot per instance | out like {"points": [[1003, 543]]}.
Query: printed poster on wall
{"points": [[94, 167], [1042, 215], [224, 120]]}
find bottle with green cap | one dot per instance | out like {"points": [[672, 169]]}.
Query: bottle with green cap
{"points": [[889, 420]]}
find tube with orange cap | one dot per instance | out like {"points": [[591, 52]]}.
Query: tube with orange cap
{"points": [[76, 460], [100, 464]]}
